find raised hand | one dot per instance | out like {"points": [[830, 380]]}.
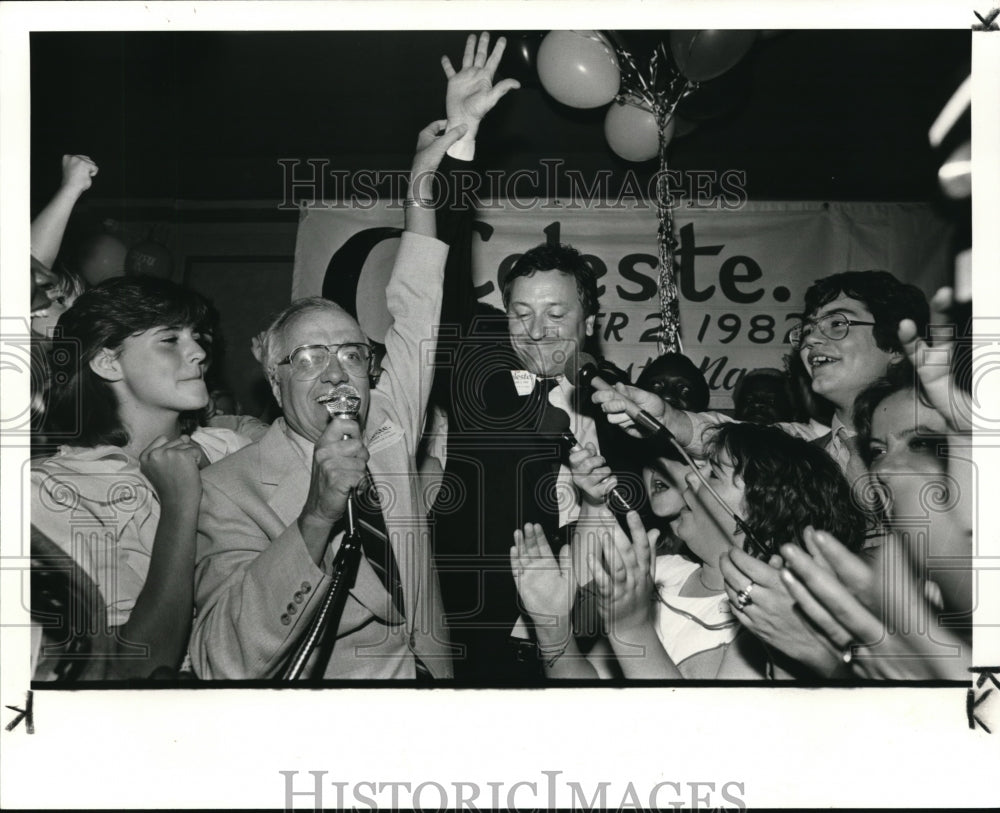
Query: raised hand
{"points": [[172, 467], [432, 143], [49, 225], [78, 172], [471, 93], [933, 365]]}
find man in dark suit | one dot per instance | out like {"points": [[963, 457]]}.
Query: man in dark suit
{"points": [[500, 382]]}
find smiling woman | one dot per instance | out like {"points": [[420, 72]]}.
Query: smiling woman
{"points": [[123, 501]]}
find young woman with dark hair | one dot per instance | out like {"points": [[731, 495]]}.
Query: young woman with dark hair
{"points": [[122, 499]]}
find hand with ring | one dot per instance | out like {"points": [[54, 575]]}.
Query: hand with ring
{"points": [[763, 605], [844, 600]]}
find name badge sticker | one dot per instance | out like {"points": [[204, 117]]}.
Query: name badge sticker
{"points": [[524, 382]]}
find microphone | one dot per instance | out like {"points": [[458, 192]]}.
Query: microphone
{"points": [[555, 421], [582, 369], [344, 401]]}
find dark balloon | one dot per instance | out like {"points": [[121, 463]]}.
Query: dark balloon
{"points": [[704, 55], [520, 59], [150, 259]]}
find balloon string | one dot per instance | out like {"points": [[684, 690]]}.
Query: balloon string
{"points": [[669, 336], [669, 339], [608, 47], [660, 93]]}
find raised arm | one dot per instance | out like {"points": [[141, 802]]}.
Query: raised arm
{"points": [[432, 143], [48, 228]]}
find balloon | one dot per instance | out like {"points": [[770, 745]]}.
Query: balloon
{"points": [[579, 68], [101, 258], [616, 39], [520, 59], [632, 132], [703, 55], [149, 259]]}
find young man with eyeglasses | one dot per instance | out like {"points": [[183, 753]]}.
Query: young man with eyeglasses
{"points": [[846, 342]]}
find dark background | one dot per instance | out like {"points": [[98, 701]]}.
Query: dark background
{"points": [[834, 115]]}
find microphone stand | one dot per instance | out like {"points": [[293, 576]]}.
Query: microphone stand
{"points": [[322, 631]]}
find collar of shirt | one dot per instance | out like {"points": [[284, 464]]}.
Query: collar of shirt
{"points": [[835, 442]]}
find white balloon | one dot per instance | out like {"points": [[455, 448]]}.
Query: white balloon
{"points": [[632, 132], [578, 68]]}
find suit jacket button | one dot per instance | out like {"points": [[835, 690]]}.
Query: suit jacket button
{"points": [[286, 620], [292, 609], [306, 587], [297, 597]]}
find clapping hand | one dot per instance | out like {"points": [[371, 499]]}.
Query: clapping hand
{"points": [[763, 604], [933, 365], [883, 630], [624, 576], [546, 586]]}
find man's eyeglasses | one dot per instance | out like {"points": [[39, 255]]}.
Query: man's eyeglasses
{"points": [[834, 326], [309, 360]]}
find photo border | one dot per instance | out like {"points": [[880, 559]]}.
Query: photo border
{"points": [[883, 745]]}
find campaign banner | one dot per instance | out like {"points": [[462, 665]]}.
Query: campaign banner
{"points": [[742, 273]]}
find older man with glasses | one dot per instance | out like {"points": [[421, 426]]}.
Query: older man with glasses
{"points": [[339, 460]]}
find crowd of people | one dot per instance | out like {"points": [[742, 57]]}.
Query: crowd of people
{"points": [[584, 528]]}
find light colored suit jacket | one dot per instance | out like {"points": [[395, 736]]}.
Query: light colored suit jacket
{"points": [[256, 587]]}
